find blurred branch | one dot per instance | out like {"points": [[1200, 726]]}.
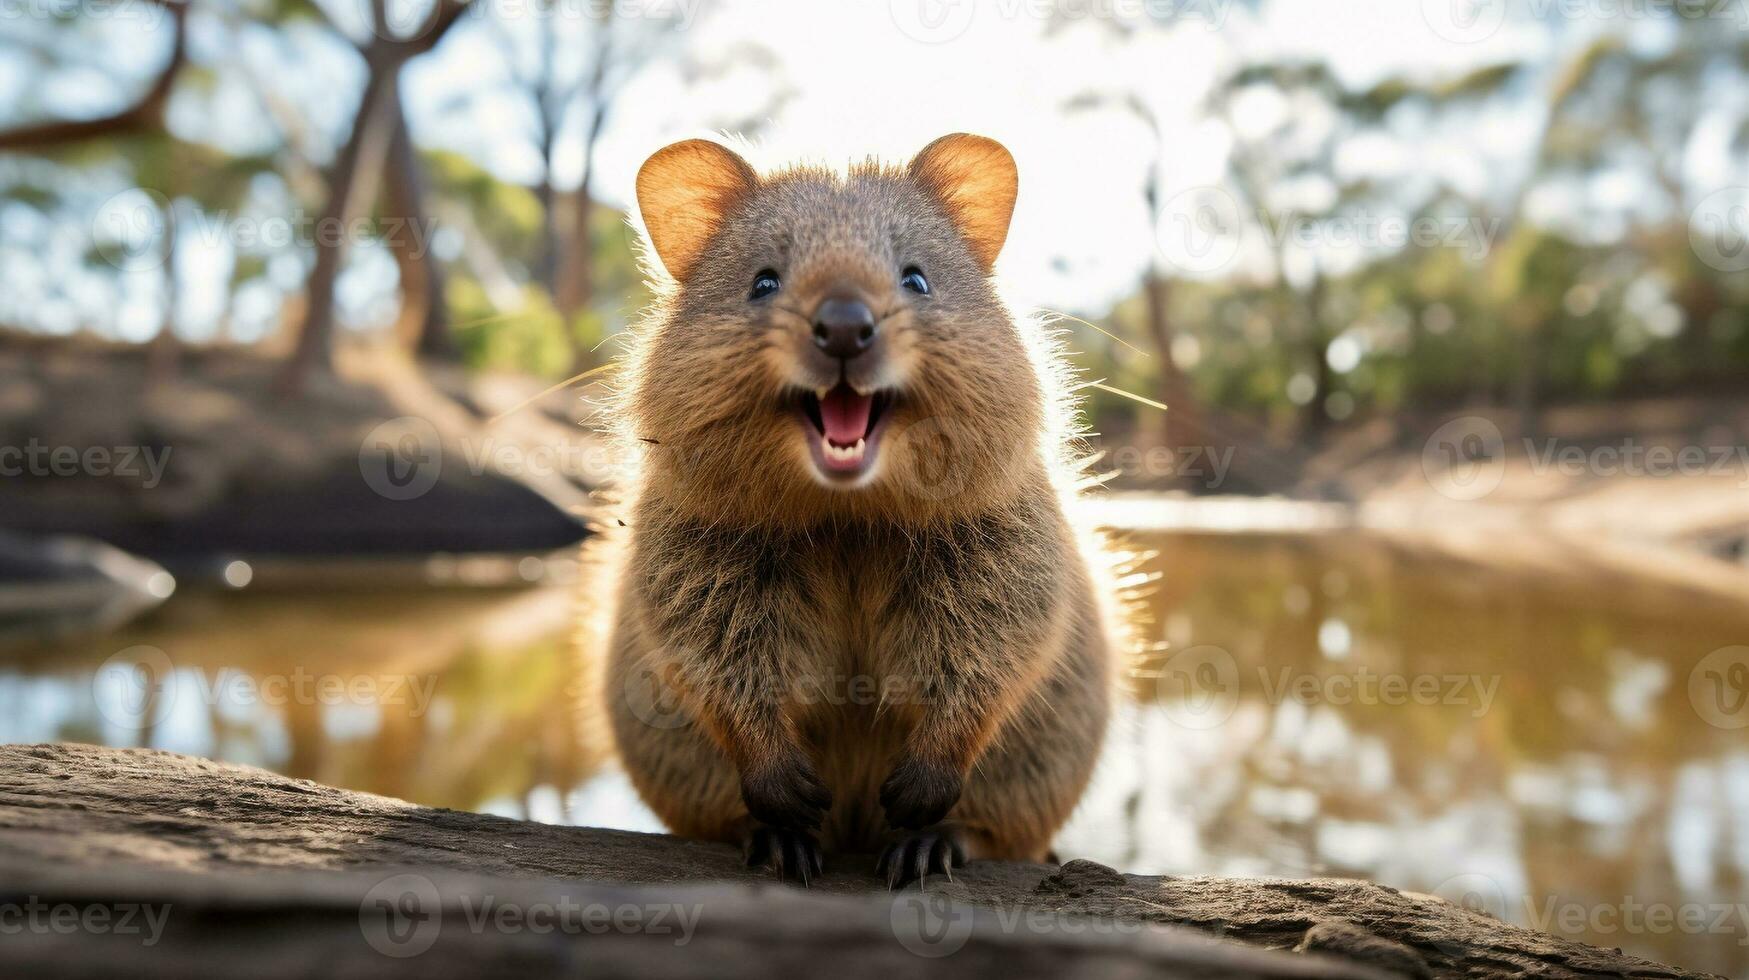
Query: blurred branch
{"points": [[303, 175], [501, 289], [575, 282], [143, 115]]}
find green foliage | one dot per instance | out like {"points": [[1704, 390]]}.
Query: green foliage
{"points": [[507, 215], [532, 339], [1440, 329], [621, 292]]}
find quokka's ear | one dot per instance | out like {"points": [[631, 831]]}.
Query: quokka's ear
{"points": [[684, 191], [975, 178]]}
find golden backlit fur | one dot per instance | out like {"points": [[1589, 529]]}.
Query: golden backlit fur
{"points": [[925, 652]]}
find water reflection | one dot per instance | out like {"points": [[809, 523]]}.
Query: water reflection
{"points": [[1338, 705], [450, 698], [1328, 704]]}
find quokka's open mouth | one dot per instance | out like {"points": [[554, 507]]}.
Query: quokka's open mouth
{"points": [[843, 428]]}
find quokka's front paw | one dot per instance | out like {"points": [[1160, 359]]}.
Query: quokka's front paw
{"points": [[786, 792], [793, 854], [919, 793]]}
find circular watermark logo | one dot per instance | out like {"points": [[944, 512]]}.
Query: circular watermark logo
{"points": [[401, 916], [928, 924], [129, 228], [1464, 21], [1718, 688], [1198, 687], [932, 21], [932, 453], [135, 688], [402, 458], [1464, 459], [1718, 229], [1476, 892], [1199, 229], [652, 699]]}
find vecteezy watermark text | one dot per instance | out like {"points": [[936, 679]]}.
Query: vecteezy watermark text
{"points": [[1202, 229], [1200, 687], [138, 688], [403, 916], [654, 698], [1465, 459], [127, 230], [1625, 916], [403, 458], [35, 916], [38, 459], [932, 925], [1633, 917], [1206, 466]]}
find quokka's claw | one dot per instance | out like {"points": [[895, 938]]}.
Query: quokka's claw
{"points": [[793, 854], [914, 855]]}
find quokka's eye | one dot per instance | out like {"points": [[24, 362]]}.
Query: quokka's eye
{"points": [[914, 281], [764, 284]]}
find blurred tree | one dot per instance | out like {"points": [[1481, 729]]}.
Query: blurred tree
{"points": [[1624, 110], [568, 102], [141, 124], [424, 319], [1139, 101], [1317, 220], [575, 96], [1180, 424], [378, 118]]}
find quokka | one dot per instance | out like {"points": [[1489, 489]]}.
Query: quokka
{"points": [[847, 555]]}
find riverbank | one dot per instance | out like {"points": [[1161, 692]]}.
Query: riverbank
{"points": [[199, 466]]}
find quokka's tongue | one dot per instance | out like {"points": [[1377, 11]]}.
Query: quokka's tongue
{"points": [[845, 414]]}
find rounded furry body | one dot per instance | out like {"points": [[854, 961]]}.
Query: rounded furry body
{"points": [[798, 659]]}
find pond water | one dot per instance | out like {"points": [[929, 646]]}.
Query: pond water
{"points": [[1570, 755]]}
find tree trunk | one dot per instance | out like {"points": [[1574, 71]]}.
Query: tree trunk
{"points": [[1176, 426], [315, 344], [1316, 417], [547, 270], [576, 281], [1526, 395], [424, 320], [576, 285], [163, 353], [551, 115]]}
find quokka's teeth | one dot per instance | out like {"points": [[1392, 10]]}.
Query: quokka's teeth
{"points": [[846, 452]]}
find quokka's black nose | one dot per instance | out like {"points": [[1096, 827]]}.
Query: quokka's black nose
{"points": [[844, 328]]}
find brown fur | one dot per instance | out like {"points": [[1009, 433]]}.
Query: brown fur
{"points": [[938, 630]]}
